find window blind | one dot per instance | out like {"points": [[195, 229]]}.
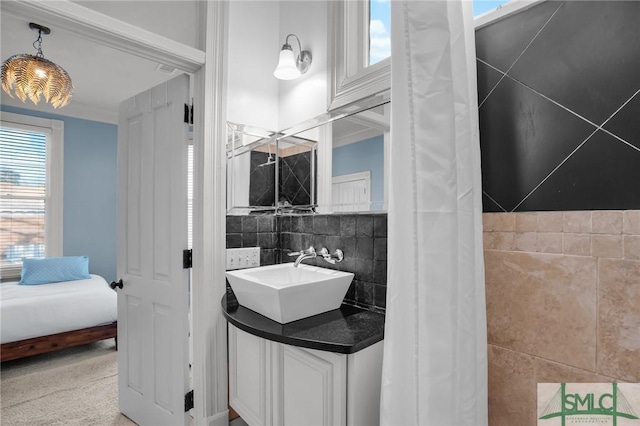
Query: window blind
{"points": [[23, 195]]}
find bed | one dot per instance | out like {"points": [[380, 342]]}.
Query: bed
{"points": [[35, 319]]}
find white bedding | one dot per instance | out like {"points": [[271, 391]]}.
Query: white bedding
{"points": [[28, 311]]}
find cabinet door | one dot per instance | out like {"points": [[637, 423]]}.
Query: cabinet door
{"points": [[249, 381], [313, 388]]}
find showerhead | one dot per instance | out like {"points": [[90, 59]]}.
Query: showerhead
{"points": [[270, 161]]}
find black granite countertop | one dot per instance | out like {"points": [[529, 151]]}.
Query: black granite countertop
{"points": [[345, 330]]}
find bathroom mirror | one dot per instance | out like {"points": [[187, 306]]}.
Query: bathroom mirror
{"points": [[251, 174], [296, 176], [354, 144], [359, 159], [336, 162], [263, 167]]}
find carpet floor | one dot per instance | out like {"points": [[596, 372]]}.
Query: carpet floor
{"points": [[76, 388]]}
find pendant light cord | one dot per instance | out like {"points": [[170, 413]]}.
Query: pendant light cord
{"points": [[39, 54]]}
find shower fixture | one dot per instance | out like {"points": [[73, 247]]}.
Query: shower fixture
{"points": [[270, 159]]}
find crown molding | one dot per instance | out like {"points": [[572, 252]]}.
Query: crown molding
{"points": [[73, 109], [108, 31]]}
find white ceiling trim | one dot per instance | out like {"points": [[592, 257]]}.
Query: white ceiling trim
{"points": [[356, 136], [109, 31], [72, 109], [373, 120]]}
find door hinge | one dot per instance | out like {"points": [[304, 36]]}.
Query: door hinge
{"points": [[188, 401], [188, 114], [187, 258]]}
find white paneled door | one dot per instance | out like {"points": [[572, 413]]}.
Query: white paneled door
{"points": [[153, 303], [352, 192]]}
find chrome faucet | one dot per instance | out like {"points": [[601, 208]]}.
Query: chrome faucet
{"points": [[333, 258], [309, 253]]}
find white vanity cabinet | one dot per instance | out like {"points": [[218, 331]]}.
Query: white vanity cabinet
{"points": [[250, 376], [272, 383]]}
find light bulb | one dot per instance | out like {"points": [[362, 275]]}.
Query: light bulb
{"points": [[287, 69]]}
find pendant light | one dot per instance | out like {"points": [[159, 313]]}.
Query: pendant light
{"points": [[33, 76]]}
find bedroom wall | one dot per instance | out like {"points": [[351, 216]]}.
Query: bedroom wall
{"points": [[90, 190]]}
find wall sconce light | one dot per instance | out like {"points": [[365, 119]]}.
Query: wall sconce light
{"points": [[33, 76], [289, 67]]}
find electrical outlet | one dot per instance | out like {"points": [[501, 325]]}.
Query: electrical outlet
{"points": [[241, 258]]}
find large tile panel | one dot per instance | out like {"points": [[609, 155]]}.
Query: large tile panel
{"points": [[512, 388], [543, 305], [619, 319], [523, 138], [487, 80], [625, 123], [604, 174], [488, 205], [500, 45], [554, 372], [583, 58]]}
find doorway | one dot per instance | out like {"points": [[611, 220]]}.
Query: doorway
{"points": [[209, 337]]}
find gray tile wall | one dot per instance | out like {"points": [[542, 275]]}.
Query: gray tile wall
{"points": [[559, 101], [255, 231], [362, 238]]}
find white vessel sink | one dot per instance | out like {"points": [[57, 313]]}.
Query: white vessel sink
{"points": [[285, 293]]}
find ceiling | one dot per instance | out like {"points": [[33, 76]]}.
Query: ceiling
{"points": [[102, 76]]}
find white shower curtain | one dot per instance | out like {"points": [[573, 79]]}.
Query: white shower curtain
{"points": [[435, 350]]}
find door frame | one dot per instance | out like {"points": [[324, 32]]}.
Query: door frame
{"points": [[209, 327], [366, 176]]}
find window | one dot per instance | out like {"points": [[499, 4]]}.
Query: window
{"points": [[379, 30], [30, 190], [484, 6], [359, 46]]}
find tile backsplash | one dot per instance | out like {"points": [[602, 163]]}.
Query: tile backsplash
{"points": [[255, 231], [362, 238]]}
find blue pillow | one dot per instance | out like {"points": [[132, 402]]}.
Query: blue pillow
{"points": [[54, 269]]}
